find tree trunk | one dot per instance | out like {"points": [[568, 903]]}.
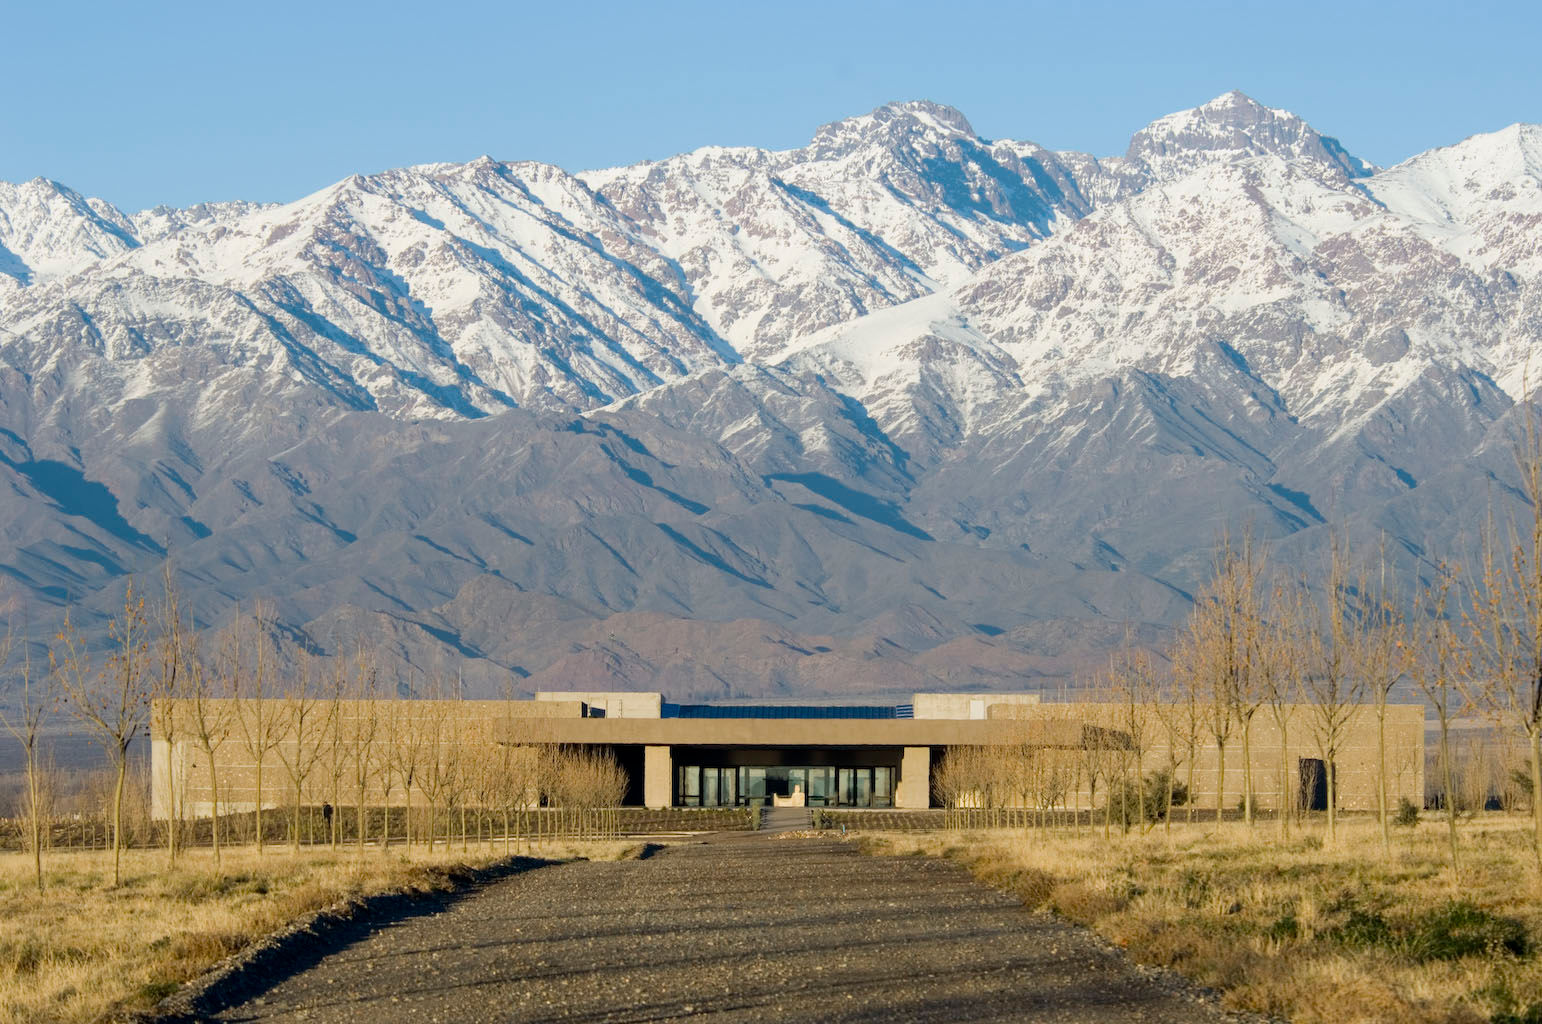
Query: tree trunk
{"points": [[1167, 818], [1333, 796], [297, 797], [1536, 793], [1188, 805], [172, 812], [1247, 771], [214, 809], [34, 795], [1287, 792], [117, 816], [1381, 774], [1446, 781], [258, 781], [1220, 778]]}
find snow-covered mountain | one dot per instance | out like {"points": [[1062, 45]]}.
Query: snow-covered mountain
{"points": [[904, 405]]}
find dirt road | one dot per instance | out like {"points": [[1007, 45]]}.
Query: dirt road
{"points": [[756, 928]]}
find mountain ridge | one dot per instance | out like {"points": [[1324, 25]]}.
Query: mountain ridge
{"points": [[954, 409]]}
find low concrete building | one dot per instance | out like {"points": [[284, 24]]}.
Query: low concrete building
{"points": [[704, 755]]}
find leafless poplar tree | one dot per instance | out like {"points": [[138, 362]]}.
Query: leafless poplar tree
{"points": [[1332, 686], [247, 666], [114, 703], [39, 698], [1377, 642], [168, 686], [1506, 622], [1279, 680], [362, 733], [1135, 685], [1432, 657], [210, 723], [1220, 646], [298, 747]]}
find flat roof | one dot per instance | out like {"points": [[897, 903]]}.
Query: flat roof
{"points": [[796, 732]]}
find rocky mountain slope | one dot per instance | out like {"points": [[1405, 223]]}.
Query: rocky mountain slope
{"points": [[903, 408]]}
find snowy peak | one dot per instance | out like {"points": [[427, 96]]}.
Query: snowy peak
{"points": [[892, 125], [1480, 199], [47, 230], [1487, 168], [1235, 126]]}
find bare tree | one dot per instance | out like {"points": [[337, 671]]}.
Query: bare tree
{"points": [[336, 754], [295, 728], [1432, 655], [258, 719], [168, 686], [1332, 686], [114, 703], [1220, 648], [38, 699], [433, 778], [1181, 735], [1506, 622], [362, 736], [1377, 644], [406, 754], [209, 722], [1279, 680], [1135, 685]]}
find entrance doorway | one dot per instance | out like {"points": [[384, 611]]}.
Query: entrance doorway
{"points": [[822, 785]]}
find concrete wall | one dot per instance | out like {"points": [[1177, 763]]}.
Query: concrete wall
{"points": [[614, 704], [658, 777], [915, 779], [967, 706]]}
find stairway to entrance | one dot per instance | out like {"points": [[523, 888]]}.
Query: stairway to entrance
{"points": [[785, 819]]}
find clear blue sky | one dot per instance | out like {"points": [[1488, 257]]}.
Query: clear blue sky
{"points": [[146, 103]]}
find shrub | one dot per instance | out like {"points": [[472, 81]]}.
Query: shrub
{"points": [[1407, 814], [1364, 929], [1285, 927], [1530, 1015], [1085, 903], [1456, 930], [1461, 929], [1126, 796]]}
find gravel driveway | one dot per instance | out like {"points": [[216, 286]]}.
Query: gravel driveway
{"points": [[753, 928]]}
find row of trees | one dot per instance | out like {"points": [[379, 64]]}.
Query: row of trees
{"points": [[1267, 644], [1264, 640], [312, 736]]}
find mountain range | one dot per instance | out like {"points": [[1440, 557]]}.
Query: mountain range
{"points": [[903, 409]]}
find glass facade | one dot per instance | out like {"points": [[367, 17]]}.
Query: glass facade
{"points": [[822, 785]]}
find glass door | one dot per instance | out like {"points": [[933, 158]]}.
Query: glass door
{"points": [[820, 787], [883, 787], [690, 786]]}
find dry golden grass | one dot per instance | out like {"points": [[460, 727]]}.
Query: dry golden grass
{"points": [[1288, 929], [83, 950]]}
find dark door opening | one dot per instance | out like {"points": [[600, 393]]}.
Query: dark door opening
{"points": [[1314, 785]]}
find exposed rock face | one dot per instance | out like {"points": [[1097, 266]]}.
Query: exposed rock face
{"points": [[902, 409]]}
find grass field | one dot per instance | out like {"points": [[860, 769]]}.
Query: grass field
{"points": [[1292, 929], [82, 949]]}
